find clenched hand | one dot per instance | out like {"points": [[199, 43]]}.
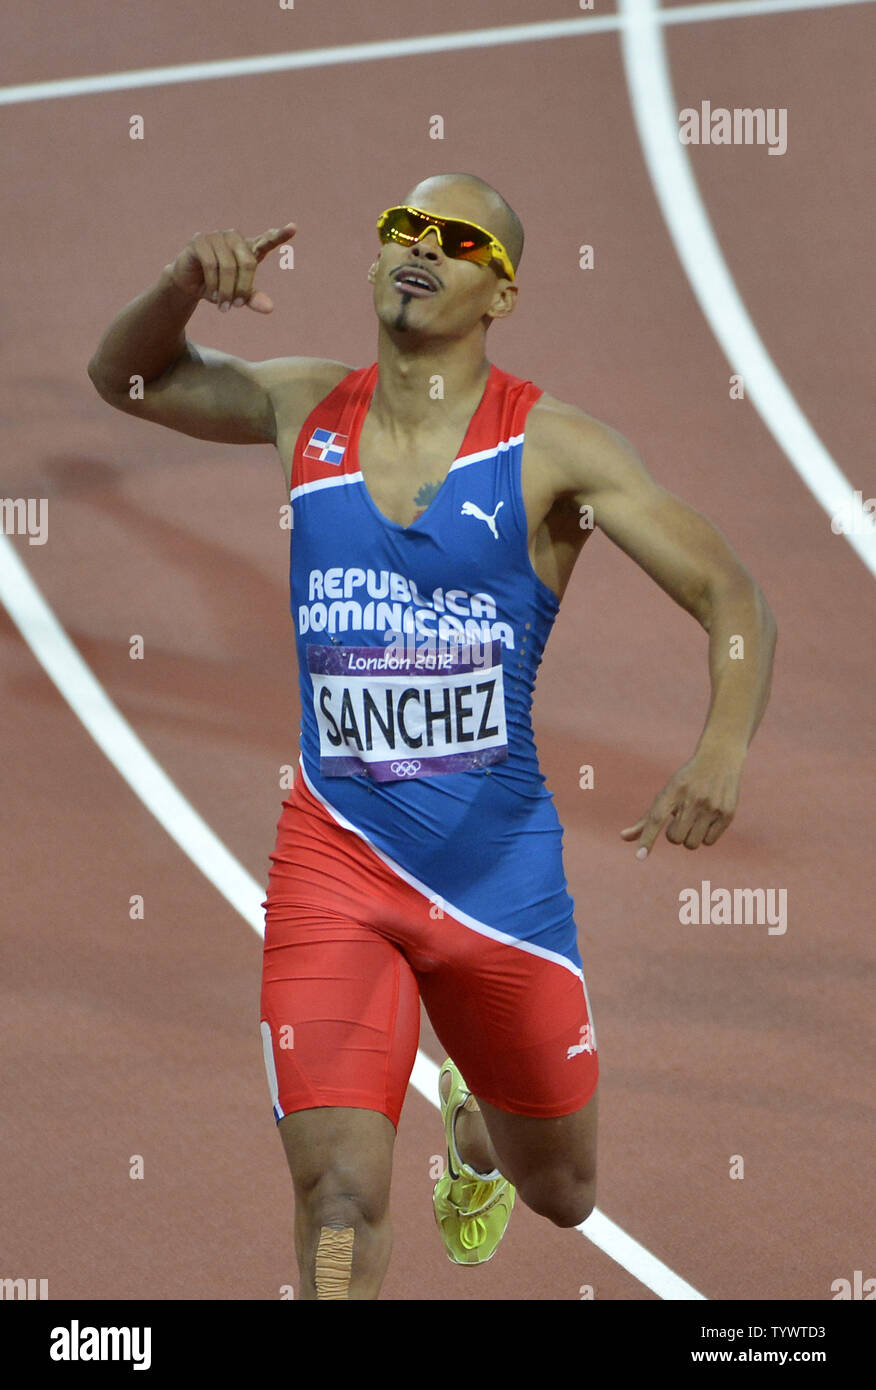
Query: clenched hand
{"points": [[220, 266]]}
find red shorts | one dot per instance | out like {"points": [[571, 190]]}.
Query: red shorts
{"points": [[351, 948]]}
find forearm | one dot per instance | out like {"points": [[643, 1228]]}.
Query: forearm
{"points": [[742, 640], [145, 338]]}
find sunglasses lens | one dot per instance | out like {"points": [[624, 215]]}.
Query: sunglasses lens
{"points": [[458, 239], [403, 226], [469, 244]]}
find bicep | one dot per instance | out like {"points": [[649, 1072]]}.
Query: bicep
{"points": [[683, 552], [211, 395], [207, 394], [680, 550]]}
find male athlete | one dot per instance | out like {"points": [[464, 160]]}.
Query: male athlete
{"points": [[437, 506]]}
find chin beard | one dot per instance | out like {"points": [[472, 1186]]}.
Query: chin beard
{"points": [[400, 324]]}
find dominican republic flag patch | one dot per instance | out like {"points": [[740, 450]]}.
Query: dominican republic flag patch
{"points": [[326, 445]]}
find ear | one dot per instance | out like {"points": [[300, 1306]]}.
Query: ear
{"points": [[504, 301]]}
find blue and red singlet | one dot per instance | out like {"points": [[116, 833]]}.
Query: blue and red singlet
{"points": [[419, 853]]}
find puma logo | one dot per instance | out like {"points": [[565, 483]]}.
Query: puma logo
{"points": [[585, 1045], [472, 509]]}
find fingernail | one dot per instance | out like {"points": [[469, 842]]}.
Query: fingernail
{"points": [[224, 307], [238, 301], [642, 853], [215, 296]]}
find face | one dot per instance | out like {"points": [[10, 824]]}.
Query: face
{"points": [[420, 293]]}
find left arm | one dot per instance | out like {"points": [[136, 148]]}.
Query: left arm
{"points": [[693, 563]]}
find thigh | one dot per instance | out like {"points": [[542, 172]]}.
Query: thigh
{"points": [[340, 1008], [517, 1024], [340, 1016], [530, 1149]]}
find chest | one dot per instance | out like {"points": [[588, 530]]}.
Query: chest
{"points": [[403, 479]]}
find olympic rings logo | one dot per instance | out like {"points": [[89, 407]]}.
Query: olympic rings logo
{"points": [[406, 769]]}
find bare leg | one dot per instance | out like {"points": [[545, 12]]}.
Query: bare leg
{"points": [[340, 1159], [551, 1162]]}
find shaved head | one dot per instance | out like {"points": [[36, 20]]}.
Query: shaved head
{"points": [[471, 198]]}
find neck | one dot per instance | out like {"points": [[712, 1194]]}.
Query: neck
{"points": [[418, 383]]}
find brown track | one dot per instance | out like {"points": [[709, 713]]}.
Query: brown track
{"points": [[123, 1037]]}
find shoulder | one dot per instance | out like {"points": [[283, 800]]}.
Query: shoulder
{"points": [[581, 453], [570, 430], [296, 384]]}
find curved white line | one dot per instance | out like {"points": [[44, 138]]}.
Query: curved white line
{"points": [[696, 245], [116, 739]]}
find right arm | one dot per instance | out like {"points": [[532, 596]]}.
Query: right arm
{"points": [[198, 390]]}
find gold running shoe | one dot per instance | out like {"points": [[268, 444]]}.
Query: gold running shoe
{"points": [[472, 1209]]}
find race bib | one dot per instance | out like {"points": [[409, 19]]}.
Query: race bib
{"points": [[393, 716]]}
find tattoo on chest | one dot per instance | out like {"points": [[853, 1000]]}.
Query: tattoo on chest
{"points": [[425, 497]]}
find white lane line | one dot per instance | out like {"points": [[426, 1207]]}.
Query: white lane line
{"points": [[744, 9], [656, 114], [116, 739], [375, 51], [308, 58]]}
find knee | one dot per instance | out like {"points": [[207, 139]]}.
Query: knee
{"points": [[340, 1199], [564, 1201]]}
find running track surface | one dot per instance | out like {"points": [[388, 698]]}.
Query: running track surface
{"points": [[126, 1037]]}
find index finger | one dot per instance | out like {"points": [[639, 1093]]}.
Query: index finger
{"points": [[261, 245], [662, 810]]}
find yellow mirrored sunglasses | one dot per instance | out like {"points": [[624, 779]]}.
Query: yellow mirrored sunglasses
{"points": [[463, 241]]}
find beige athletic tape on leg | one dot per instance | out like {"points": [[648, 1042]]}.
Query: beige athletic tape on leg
{"points": [[334, 1262]]}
